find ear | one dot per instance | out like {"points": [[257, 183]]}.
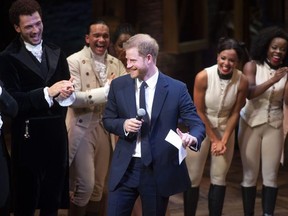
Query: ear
{"points": [[149, 57], [17, 28], [87, 39]]}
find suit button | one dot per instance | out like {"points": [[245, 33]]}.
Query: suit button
{"points": [[88, 85], [87, 73], [90, 96], [83, 61], [80, 120]]}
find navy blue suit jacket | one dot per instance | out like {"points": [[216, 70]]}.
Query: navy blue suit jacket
{"points": [[171, 103]]}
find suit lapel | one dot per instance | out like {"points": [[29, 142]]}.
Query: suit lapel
{"points": [[159, 98], [129, 95], [27, 60], [52, 56]]}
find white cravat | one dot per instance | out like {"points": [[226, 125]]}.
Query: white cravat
{"points": [[100, 67], [35, 50]]}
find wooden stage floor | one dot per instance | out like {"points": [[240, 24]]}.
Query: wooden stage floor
{"points": [[233, 199]]}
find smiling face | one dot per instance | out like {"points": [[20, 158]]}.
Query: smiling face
{"points": [[137, 66], [227, 60], [30, 28], [277, 51], [98, 38]]}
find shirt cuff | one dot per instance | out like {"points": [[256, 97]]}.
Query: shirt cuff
{"points": [[125, 132], [47, 97], [195, 147], [66, 101]]}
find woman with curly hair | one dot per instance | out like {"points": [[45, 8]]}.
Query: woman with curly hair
{"points": [[261, 129]]}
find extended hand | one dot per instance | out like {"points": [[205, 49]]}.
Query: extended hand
{"points": [[187, 139]]}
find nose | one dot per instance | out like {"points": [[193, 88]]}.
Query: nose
{"points": [[225, 62], [102, 39], [129, 65], [35, 29]]}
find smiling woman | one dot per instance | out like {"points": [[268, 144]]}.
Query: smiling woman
{"points": [[261, 121], [122, 33], [219, 94]]}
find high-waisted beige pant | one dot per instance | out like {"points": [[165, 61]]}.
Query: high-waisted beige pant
{"points": [[89, 169], [219, 166], [263, 145]]}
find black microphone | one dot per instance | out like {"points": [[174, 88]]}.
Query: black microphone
{"points": [[140, 114]]}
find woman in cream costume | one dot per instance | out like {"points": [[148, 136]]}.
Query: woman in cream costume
{"points": [[261, 129], [219, 94]]}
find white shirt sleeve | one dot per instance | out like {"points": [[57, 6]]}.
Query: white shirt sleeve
{"points": [[66, 101], [47, 97]]}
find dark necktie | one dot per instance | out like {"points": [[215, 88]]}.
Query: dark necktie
{"points": [[145, 145]]}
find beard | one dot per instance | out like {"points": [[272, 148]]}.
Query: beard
{"points": [[139, 73]]}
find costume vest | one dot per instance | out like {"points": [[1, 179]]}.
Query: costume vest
{"points": [[220, 96], [267, 107]]}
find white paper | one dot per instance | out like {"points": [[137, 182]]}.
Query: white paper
{"points": [[174, 139]]}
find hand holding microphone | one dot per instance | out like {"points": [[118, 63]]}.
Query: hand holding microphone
{"points": [[140, 114], [133, 125]]}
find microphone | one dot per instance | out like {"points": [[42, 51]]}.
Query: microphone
{"points": [[140, 114]]}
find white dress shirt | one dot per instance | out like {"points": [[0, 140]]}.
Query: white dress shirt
{"points": [[149, 97]]}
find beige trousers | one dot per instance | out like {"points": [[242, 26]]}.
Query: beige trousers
{"points": [[260, 145], [219, 166], [89, 169]]}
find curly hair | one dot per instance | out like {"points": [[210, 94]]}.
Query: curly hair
{"points": [[262, 42], [23, 7]]}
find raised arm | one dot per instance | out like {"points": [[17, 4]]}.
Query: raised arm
{"points": [[255, 90]]}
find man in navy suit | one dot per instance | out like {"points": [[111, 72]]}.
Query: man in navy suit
{"points": [[143, 162]]}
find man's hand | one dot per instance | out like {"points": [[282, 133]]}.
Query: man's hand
{"points": [[110, 78], [132, 125], [63, 89], [187, 139]]}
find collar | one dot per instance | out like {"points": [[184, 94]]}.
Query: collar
{"points": [[272, 66], [151, 82], [224, 76], [98, 58], [33, 48]]}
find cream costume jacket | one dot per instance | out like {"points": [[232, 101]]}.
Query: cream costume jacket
{"points": [[91, 89]]}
